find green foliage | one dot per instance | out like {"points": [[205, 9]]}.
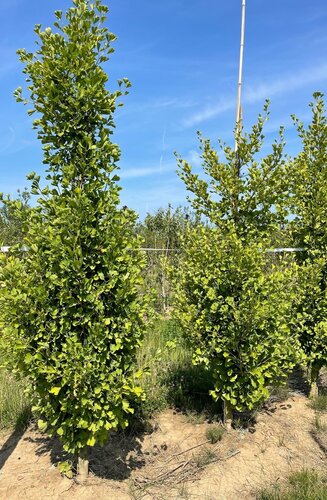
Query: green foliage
{"points": [[171, 379], [243, 194], [308, 175], [11, 230], [235, 314], [310, 306], [71, 312], [215, 433], [308, 201], [66, 468], [232, 304], [302, 485], [165, 227]]}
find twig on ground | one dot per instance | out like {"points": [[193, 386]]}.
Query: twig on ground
{"points": [[189, 449], [220, 459], [169, 472]]}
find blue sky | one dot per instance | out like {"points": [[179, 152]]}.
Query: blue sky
{"points": [[182, 59]]}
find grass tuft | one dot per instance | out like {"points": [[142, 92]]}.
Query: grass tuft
{"points": [[215, 433], [195, 418], [14, 407], [303, 485], [319, 425], [279, 393], [205, 458], [319, 403]]}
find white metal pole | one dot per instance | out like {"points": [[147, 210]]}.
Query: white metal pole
{"points": [[240, 75]]}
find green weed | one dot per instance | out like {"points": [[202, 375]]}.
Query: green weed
{"points": [[215, 433], [205, 458], [319, 425], [14, 406], [303, 485], [279, 393], [195, 418], [319, 403], [173, 381]]}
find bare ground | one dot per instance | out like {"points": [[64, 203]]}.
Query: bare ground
{"points": [[172, 462]]}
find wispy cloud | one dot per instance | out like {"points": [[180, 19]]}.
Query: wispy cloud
{"points": [[208, 112], [287, 85], [168, 167], [316, 15], [260, 92], [7, 140], [137, 172]]}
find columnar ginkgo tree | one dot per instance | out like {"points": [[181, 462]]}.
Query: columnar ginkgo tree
{"points": [[71, 309], [232, 303], [308, 204]]}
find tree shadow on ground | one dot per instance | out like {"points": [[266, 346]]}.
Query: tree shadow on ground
{"points": [[188, 392], [9, 446], [116, 460], [298, 382], [13, 439], [189, 388]]}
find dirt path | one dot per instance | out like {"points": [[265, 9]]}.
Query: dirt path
{"points": [[158, 466]]}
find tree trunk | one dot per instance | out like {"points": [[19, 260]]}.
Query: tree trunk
{"points": [[83, 465], [163, 294], [313, 390], [314, 374], [228, 415]]}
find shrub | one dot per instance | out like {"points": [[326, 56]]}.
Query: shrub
{"points": [[232, 303], [235, 316], [308, 201]]}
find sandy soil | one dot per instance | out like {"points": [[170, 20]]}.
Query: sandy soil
{"points": [[161, 465]]}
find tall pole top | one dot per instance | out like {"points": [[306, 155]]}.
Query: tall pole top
{"points": [[240, 75]]}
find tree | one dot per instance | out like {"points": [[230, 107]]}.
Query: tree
{"points": [[308, 202], [10, 224], [162, 232], [72, 314], [232, 303], [164, 227]]}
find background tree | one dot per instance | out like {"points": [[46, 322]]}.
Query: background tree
{"points": [[164, 228], [72, 314], [233, 304], [11, 231], [308, 202], [161, 233]]}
